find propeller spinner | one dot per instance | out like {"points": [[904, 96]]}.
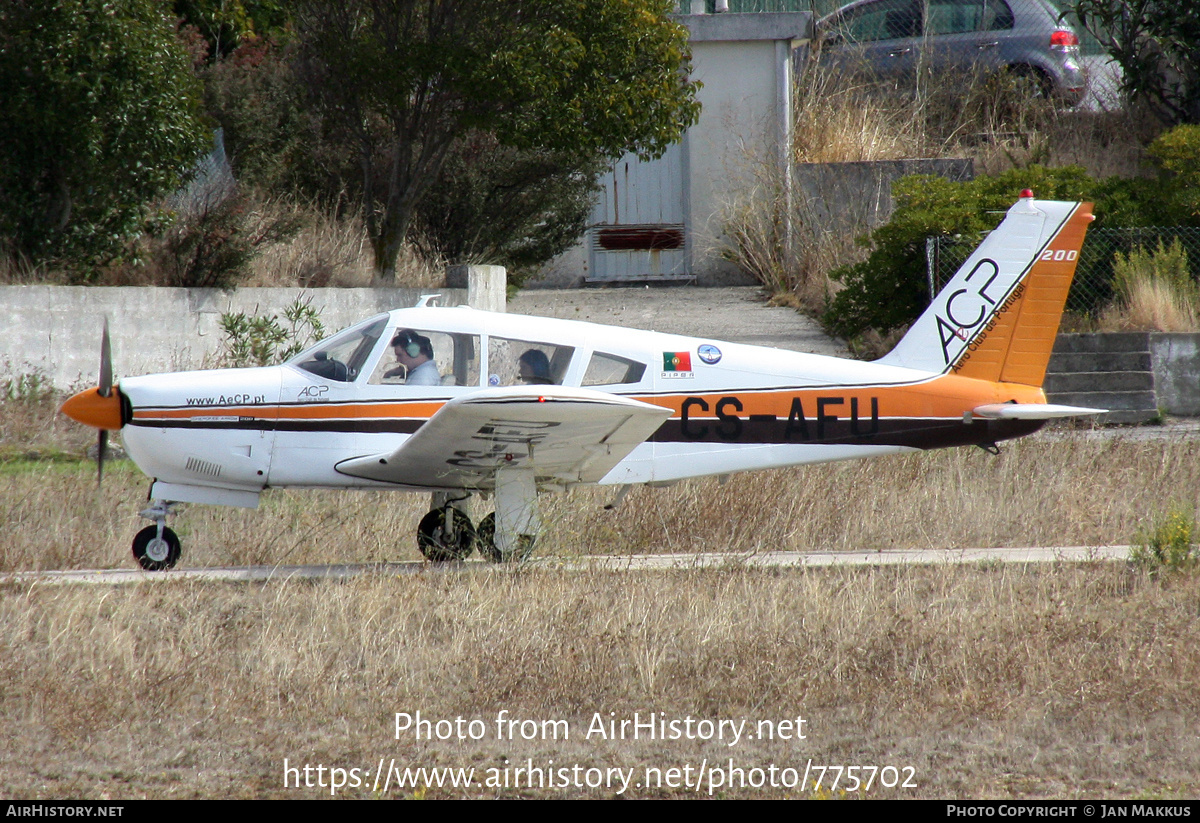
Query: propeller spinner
{"points": [[99, 407]]}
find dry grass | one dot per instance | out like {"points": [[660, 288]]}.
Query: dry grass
{"points": [[1087, 492], [326, 250], [1151, 305], [1007, 682], [1154, 291], [842, 119], [330, 251]]}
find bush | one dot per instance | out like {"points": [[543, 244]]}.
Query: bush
{"points": [[213, 243], [1154, 290], [261, 340], [1170, 545]]}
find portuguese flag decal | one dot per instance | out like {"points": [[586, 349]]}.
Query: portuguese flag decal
{"points": [[677, 361]]}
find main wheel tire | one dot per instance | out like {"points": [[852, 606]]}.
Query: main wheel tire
{"points": [[154, 554], [438, 545], [486, 534]]}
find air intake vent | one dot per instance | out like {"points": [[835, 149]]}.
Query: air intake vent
{"points": [[195, 464]]}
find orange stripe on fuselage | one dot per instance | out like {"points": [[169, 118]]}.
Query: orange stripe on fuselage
{"points": [[315, 411]]}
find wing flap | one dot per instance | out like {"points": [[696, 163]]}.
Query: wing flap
{"points": [[566, 435]]}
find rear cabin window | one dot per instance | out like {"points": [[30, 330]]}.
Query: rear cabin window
{"points": [[526, 362], [611, 370]]}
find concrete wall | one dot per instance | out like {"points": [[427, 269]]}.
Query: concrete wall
{"points": [[1176, 363], [55, 330], [857, 197]]}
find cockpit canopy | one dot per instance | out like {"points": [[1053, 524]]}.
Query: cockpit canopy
{"points": [[384, 351]]}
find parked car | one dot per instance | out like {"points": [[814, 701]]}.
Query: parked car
{"points": [[893, 38]]}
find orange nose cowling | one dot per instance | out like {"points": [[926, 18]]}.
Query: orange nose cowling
{"points": [[91, 409]]}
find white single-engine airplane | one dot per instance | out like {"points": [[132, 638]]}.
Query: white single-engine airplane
{"points": [[457, 401]]}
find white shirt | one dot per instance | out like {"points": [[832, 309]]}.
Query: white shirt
{"points": [[425, 374]]}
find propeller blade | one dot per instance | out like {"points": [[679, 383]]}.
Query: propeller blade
{"points": [[106, 378], [101, 448]]}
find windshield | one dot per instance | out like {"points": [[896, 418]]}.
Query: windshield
{"points": [[342, 356]]}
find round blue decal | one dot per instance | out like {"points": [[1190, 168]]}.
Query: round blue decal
{"points": [[709, 353]]}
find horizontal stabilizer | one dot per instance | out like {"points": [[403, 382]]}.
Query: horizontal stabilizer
{"points": [[1031, 411]]}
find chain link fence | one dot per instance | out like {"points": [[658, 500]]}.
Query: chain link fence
{"points": [[1092, 289]]}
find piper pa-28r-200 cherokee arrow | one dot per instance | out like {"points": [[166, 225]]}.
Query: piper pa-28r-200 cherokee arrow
{"points": [[457, 401]]}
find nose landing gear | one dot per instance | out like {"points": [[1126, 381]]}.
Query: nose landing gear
{"points": [[156, 548]]}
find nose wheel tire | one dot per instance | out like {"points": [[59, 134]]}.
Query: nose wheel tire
{"points": [[441, 541], [154, 553]]}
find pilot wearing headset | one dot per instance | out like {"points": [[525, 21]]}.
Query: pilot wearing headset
{"points": [[414, 353]]}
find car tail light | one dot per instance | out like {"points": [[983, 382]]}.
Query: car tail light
{"points": [[1062, 38]]}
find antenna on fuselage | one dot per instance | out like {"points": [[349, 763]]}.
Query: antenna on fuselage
{"points": [[426, 300]]}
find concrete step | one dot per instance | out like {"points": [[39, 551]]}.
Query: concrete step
{"points": [[1116, 401], [1092, 381], [1099, 363], [1136, 341]]}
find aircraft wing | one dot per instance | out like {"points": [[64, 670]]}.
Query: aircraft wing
{"points": [[567, 435]]}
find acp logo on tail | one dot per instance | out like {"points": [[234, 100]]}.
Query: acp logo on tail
{"points": [[963, 312]]}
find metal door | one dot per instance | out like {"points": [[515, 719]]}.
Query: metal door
{"points": [[639, 222]]}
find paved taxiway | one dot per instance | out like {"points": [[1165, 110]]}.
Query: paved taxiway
{"points": [[646, 562]]}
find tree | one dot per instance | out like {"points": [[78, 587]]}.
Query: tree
{"points": [[400, 80], [498, 204], [1157, 45], [100, 117]]}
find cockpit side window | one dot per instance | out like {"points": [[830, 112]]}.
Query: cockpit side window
{"points": [[612, 370], [342, 356], [419, 357]]}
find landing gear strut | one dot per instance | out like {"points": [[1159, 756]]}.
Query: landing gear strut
{"points": [[510, 532], [156, 548]]}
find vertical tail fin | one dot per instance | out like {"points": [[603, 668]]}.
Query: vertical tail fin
{"points": [[997, 318]]}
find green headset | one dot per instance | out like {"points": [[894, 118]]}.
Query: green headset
{"points": [[408, 339]]}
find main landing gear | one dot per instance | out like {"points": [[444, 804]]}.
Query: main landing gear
{"points": [[446, 532], [507, 534], [156, 548]]}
